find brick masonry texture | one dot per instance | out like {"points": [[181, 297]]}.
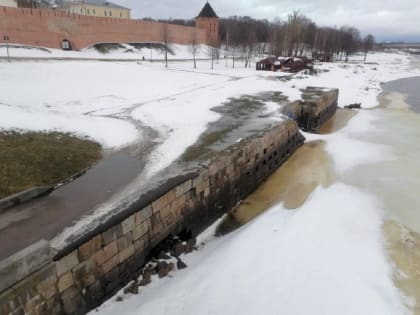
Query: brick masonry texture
{"points": [[48, 28]]}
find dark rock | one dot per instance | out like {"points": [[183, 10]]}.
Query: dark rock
{"points": [[162, 269], [119, 299], [171, 266], [132, 288], [180, 264], [178, 249], [190, 245], [144, 282], [147, 275], [354, 106]]}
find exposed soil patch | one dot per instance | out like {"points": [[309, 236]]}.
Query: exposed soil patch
{"points": [[42, 159]]}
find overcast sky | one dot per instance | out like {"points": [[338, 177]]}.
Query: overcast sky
{"points": [[386, 19]]}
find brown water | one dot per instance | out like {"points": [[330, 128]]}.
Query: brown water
{"points": [[308, 168], [404, 250], [338, 121], [400, 108], [396, 181], [291, 184]]}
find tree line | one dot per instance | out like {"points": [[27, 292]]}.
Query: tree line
{"points": [[296, 36]]}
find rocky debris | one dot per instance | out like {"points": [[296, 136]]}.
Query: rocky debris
{"points": [[354, 106], [132, 287], [178, 250], [163, 262], [190, 245], [180, 264], [162, 269], [146, 276], [119, 299]]}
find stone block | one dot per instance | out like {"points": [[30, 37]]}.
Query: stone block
{"points": [[112, 234], [106, 253], [47, 288], [183, 188], [72, 301], [112, 280], [128, 224], [53, 305], [143, 215], [19, 311], [110, 264], [90, 248], [156, 220], [157, 205], [125, 241], [164, 212], [126, 253], [140, 230], [24, 263], [65, 281], [141, 244], [95, 292], [67, 263], [85, 274]]}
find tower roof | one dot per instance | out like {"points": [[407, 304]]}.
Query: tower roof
{"points": [[207, 12]]}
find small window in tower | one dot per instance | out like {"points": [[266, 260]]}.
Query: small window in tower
{"points": [[110, 13], [105, 13], [93, 11]]}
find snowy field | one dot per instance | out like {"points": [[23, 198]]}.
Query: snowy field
{"points": [[127, 52], [110, 101], [327, 257]]}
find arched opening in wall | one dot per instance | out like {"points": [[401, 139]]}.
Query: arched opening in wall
{"points": [[66, 44]]}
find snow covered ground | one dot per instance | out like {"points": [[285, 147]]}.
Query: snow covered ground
{"points": [[125, 52], [327, 257], [110, 101]]}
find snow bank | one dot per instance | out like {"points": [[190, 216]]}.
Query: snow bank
{"points": [[109, 132], [326, 258], [126, 52]]}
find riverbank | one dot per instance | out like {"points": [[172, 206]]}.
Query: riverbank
{"points": [[327, 256]]}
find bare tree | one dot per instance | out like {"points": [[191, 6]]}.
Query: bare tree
{"points": [[165, 38], [212, 52], [194, 47], [368, 43]]}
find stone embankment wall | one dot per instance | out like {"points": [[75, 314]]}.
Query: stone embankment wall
{"points": [[318, 105], [94, 267], [100, 261], [48, 28]]}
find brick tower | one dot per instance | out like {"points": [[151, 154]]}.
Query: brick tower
{"points": [[208, 19]]}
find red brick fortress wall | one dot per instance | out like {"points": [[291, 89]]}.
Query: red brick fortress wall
{"points": [[48, 28], [211, 27]]}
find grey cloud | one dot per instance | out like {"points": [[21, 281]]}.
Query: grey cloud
{"points": [[386, 19]]}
